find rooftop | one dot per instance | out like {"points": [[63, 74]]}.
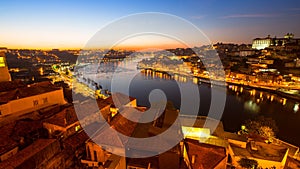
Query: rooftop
{"points": [[143, 162], [119, 127], [6, 142], [64, 118], [26, 91], [11, 85], [145, 130], [206, 156], [77, 140], [234, 136], [11, 133], [26, 153], [264, 151], [23, 127], [203, 122]]}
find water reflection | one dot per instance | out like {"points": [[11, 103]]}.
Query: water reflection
{"points": [[242, 102], [251, 106], [296, 107], [262, 97]]}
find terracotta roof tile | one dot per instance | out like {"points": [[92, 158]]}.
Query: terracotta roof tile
{"points": [[77, 140], [119, 127], [206, 156], [6, 142], [64, 118]]}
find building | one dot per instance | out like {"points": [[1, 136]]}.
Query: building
{"points": [[262, 43], [200, 127], [157, 156], [107, 140], [74, 146], [63, 124], [19, 134], [267, 155], [199, 155], [41, 154], [22, 100], [4, 73], [246, 52], [8, 146]]}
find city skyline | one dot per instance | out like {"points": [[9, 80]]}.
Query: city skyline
{"points": [[69, 25]]}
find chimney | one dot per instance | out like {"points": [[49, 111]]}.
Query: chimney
{"points": [[149, 166], [193, 159]]}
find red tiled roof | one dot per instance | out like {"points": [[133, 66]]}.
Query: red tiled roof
{"points": [[11, 85], [6, 142], [25, 154], [90, 106], [109, 136], [64, 118], [22, 92], [158, 144], [77, 140], [207, 156], [22, 127], [120, 127]]}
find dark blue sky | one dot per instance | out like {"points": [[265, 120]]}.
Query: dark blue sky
{"points": [[56, 24]]}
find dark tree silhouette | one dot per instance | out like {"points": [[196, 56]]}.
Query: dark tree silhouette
{"points": [[248, 163]]}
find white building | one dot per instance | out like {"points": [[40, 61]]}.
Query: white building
{"points": [[261, 43], [30, 98]]}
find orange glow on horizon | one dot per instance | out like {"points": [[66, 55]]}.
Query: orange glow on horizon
{"points": [[121, 46]]}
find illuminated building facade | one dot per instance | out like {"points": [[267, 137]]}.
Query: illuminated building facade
{"points": [[262, 43], [4, 74]]}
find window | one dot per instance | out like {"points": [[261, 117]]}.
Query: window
{"points": [[35, 102], [95, 156], [45, 100], [88, 152], [2, 62], [77, 128]]}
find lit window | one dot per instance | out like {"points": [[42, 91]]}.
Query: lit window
{"points": [[77, 128], [2, 63]]}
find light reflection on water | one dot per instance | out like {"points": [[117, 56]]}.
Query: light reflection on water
{"points": [[242, 102], [263, 97]]}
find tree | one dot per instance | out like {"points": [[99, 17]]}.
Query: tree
{"points": [[248, 163], [263, 126], [266, 132]]}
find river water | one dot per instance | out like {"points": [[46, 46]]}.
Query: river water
{"points": [[241, 103]]}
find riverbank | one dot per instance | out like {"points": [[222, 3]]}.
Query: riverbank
{"points": [[270, 90], [223, 83]]}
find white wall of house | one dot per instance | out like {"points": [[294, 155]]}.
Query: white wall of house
{"points": [[32, 103]]}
